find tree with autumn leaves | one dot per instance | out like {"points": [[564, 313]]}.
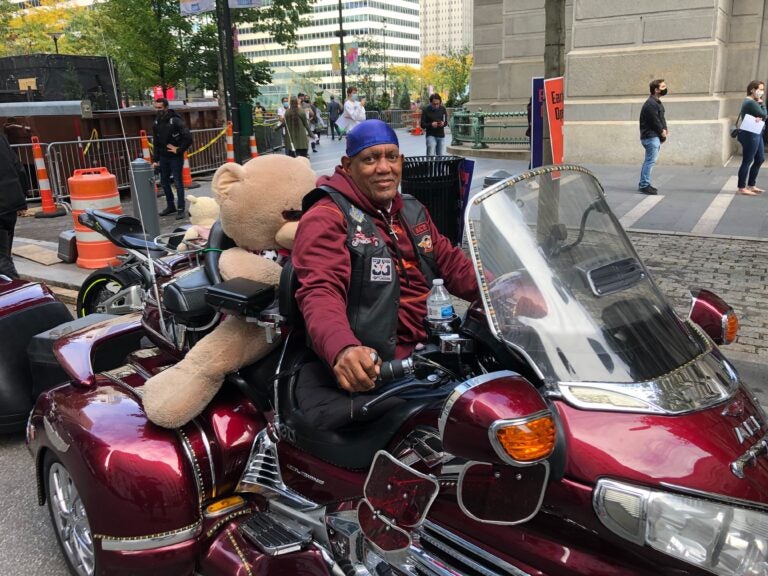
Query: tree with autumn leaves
{"points": [[448, 74], [151, 43]]}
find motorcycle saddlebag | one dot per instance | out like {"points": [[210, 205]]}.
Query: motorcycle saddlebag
{"points": [[25, 309]]}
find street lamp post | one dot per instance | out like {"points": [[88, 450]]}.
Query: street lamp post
{"points": [[342, 55], [385, 56], [56, 36]]}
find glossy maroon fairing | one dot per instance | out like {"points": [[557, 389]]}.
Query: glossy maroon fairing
{"points": [[16, 295], [75, 350], [693, 450], [707, 310], [469, 417]]}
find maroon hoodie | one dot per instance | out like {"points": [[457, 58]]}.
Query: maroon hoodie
{"points": [[322, 263]]}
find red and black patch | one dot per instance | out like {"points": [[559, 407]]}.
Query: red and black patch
{"points": [[420, 228]]}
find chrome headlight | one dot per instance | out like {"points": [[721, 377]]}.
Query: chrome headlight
{"points": [[716, 536]]}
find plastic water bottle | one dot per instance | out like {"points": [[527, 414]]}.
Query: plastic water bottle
{"points": [[439, 306]]}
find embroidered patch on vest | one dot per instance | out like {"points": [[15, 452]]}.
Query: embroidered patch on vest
{"points": [[381, 269], [361, 238], [420, 228], [356, 214], [426, 243]]}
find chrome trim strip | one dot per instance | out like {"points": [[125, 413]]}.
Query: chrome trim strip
{"points": [[54, 437], [471, 548], [137, 543], [207, 446], [460, 389], [500, 452], [190, 454], [459, 499], [667, 394]]}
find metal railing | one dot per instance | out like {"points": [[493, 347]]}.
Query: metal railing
{"points": [[483, 128], [27, 159]]}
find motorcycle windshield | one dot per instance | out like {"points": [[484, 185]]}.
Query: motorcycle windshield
{"points": [[562, 284]]}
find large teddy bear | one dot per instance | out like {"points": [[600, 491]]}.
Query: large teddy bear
{"points": [[258, 203]]}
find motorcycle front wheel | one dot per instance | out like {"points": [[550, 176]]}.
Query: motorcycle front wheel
{"points": [[100, 286], [69, 518]]}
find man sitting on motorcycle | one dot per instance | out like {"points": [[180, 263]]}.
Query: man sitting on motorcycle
{"points": [[365, 257]]}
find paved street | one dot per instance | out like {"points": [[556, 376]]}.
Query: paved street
{"points": [[703, 236]]}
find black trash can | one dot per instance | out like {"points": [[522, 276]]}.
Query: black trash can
{"points": [[435, 181]]}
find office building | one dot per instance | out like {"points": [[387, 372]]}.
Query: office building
{"points": [[446, 25]]}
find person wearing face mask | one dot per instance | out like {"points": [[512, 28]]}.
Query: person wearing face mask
{"points": [[752, 145], [281, 123], [653, 131], [434, 118], [354, 110], [171, 138]]}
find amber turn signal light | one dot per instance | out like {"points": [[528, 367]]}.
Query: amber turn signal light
{"points": [[528, 441], [731, 327], [224, 505]]}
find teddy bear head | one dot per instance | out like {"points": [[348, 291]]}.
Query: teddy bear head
{"points": [[260, 201], [203, 211]]}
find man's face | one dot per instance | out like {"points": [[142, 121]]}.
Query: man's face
{"points": [[435, 103], [159, 108], [376, 171], [661, 88]]}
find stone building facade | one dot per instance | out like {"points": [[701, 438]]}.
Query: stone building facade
{"points": [[706, 50]]}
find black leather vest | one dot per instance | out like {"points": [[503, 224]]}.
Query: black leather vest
{"points": [[374, 288]]}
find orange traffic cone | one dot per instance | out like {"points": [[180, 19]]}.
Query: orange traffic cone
{"points": [[186, 175], [230, 143], [148, 157], [50, 209], [254, 148]]}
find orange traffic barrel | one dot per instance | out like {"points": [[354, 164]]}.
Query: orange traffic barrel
{"points": [[94, 188]]}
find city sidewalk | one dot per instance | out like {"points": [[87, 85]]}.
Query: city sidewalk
{"points": [[724, 259]]}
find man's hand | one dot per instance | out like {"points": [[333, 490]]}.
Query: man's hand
{"points": [[172, 148], [664, 133], [355, 368]]}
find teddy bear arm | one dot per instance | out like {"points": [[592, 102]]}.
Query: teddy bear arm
{"points": [[239, 263]]}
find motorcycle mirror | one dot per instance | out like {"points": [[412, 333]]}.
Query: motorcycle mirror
{"points": [[380, 531]]}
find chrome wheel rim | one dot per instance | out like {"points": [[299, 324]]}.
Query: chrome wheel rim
{"points": [[70, 520]]}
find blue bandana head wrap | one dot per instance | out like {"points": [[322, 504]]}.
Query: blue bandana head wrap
{"points": [[369, 133]]}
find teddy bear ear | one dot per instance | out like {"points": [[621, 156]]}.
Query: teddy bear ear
{"points": [[227, 176], [191, 199], [305, 160]]}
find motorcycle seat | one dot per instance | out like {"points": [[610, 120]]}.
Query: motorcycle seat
{"points": [[141, 242], [352, 446], [184, 296]]}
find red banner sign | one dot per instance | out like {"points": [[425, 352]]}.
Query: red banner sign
{"points": [[554, 90]]}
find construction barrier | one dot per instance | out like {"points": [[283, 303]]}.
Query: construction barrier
{"points": [[50, 209], [145, 146], [416, 119], [230, 144], [254, 148], [186, 175], [94, 188]]}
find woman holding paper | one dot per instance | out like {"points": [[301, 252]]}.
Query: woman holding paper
{"points": [[752, 115]]}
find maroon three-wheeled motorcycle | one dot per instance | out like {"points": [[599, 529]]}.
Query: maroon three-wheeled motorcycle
{"points": [[571, 423]]}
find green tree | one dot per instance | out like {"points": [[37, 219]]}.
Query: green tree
{"points": [[405, 97], [454, 71]]}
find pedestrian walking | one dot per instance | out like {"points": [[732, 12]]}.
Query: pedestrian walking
{"points": [[12, 202], [434, 118], [751, 128], [353, 112], [171, 140], [334, 111], [284, 104], [298, 132], [653, 131]]}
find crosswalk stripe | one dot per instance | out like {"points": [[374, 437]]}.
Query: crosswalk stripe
{"points": [[714, 212], [640, 210]]}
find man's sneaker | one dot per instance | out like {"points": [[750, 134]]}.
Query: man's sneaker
{"points": [[650, 190], [168, 210], [180, 214]]}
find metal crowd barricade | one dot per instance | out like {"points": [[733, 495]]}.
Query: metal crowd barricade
{"points": [[208, 150], [114, 154], [27, 159], [483, 128]]}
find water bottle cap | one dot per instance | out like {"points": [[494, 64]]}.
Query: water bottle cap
{"points": [[437, 282]]}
